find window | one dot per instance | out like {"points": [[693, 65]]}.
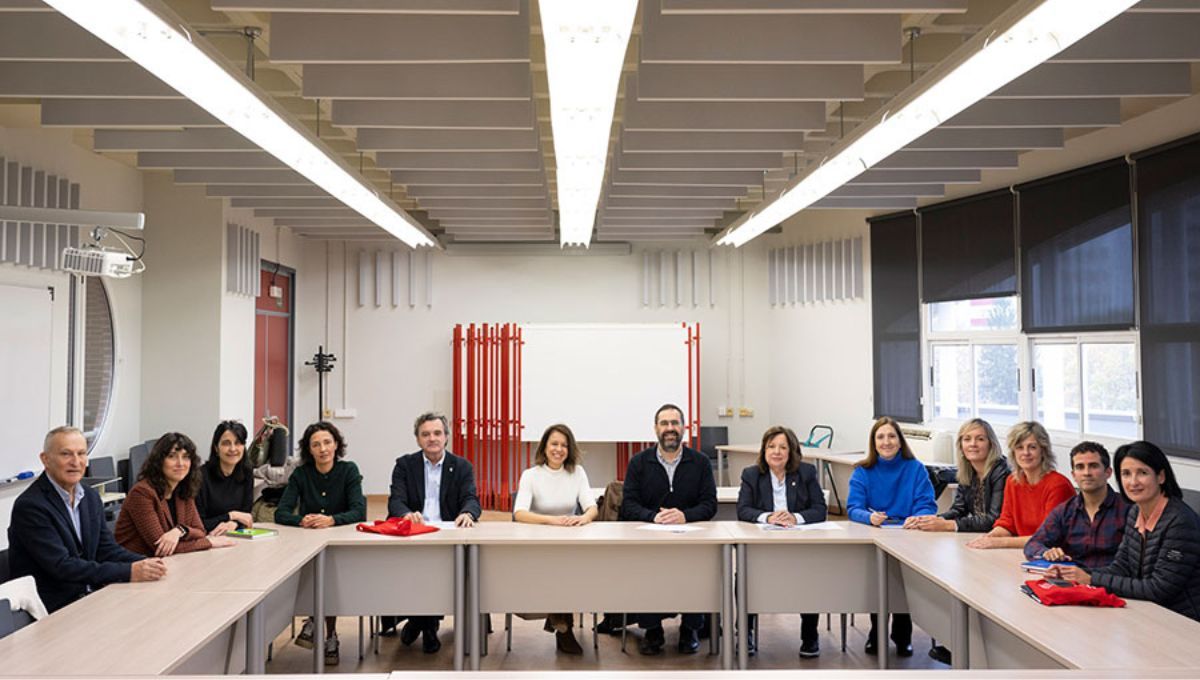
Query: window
{"points": [[976, 379], [98, 357], [1086, 386], [990, 314]]}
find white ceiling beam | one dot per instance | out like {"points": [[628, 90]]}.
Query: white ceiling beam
{"points": [[125, 113], [1139, 37], [720, 178], [652, 213], [944, 160], [749, 82], [888, 190], [698, 161], [303, 213], [669, 191], [639, 141], [989, 139], [296, 203], [491, 221], [792, 39], [105, 80], [885, 176], [450, 213], [898, 203], [651, 224], [1068, 81], [467, 178], [202, 139], [723, 116], [483, 203], [812, 6], [497, 7], [208, 159], [49, 36], [264, 191], [663, 218], [420, 192], [530, 228], [1010, 113], [324, 222], [498, 160], [428, 115], [392, 139], [417, 82], [283, 177], [673, 203], [390, 38]]}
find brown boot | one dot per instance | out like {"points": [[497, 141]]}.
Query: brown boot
{"points": [[567, 644]]}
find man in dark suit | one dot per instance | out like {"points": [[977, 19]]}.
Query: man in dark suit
{"points": [[58, 534], [431, 485], [669, 484]]}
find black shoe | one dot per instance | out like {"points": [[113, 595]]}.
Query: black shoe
{"points": [[904, 649], [409, 633], [940, 654], [430, 644], [810, 649], [689, 640], [870, 647], [610, 625], [387, 625], [751, 642], [567, 644], [652, 642]]}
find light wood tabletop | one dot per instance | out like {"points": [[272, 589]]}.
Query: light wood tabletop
{"points": [[1141, 635], [598, 533], [819, 533], [117, 631]]}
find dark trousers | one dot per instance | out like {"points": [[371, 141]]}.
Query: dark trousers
{"points": [[901, 632], [648, 621], [808, 625]]}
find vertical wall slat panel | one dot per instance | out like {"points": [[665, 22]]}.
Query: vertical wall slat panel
{"points": [[412, 279], [395, 279], [857, 265], [37, 230], [380, 274], [74, 232], [429, 278], [51, 235], [25, 233], [364, 278], [256, 267], [771, 274], [231, 257], [5, 248]]}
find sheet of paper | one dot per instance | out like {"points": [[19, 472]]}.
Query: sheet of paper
{"points": [[819, 526], [669, 528], [444, 526]]}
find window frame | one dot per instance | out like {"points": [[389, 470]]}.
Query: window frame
{"points": [[1026, 385]]}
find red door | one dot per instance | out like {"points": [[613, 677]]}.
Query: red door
{"points": [[273, 347]]}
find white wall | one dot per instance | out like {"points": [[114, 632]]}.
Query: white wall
{"points": [[394, 363], [104, 185], [821, 352]]}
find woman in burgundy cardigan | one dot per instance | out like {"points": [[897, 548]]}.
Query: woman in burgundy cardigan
{"points": [[159, 516]]}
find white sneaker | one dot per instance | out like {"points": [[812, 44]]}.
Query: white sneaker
{"points": [[304, 639]]}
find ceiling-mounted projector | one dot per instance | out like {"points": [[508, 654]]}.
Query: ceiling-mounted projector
{"points": [[97, 262]]}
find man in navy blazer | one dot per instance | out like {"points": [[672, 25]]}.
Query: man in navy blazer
{"points": [[58, 534], [431, 485], [669, 484]]}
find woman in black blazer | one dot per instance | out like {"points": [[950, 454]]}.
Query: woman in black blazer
{"points": [[781, 489]]}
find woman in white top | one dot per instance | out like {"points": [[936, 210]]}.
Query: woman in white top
{"points": [[555, 491]]}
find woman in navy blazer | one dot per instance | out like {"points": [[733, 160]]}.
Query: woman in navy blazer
{"points": [[782, 489]]}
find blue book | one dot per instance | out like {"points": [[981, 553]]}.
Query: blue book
{"points": [[1044, 566]]}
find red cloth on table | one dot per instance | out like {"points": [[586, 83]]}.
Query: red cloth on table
{"points": [[396, 526]]}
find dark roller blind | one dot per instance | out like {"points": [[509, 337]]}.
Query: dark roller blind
{"points": [[1168, 186], [895, 317], [968, 248], [1076, 235]]}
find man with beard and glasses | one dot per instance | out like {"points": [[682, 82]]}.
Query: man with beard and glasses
{"points": [[669, 484]]}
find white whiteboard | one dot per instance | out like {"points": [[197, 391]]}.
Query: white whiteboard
{"points": [[605, 381], [26, 342]]}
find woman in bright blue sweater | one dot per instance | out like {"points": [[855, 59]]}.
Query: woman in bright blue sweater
{"points": [[889, 486]]}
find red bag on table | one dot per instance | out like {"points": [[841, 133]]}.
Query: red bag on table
{"points": [[1052, 593], [396, 526]]}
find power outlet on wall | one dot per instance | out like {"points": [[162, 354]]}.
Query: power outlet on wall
{"points": [[345, 413], [724, 412], [745, 412]]}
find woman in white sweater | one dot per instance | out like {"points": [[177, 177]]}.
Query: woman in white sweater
{"points": [[556, 491]]}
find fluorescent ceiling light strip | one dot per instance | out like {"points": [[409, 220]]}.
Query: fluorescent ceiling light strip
{"points": [[586, 42], [147, 37], [1029, 34]]}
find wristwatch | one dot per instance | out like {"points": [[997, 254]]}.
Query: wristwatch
{"points": [[183, 531]]}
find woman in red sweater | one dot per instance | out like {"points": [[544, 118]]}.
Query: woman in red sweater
{"points": [[159, 516], [1030, 493]]}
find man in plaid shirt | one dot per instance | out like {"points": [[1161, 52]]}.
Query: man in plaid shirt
{"points": [[1087, 528]]}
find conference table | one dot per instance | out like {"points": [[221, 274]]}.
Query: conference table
{"points": [[212, 612]]}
